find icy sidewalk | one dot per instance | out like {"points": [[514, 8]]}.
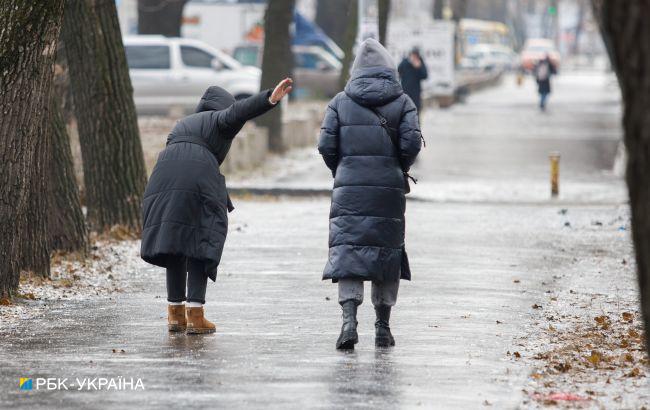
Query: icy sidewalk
{"points": [[486, 279]]}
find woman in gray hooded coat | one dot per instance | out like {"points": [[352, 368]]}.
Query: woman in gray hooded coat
{"points": [[369, 139]]}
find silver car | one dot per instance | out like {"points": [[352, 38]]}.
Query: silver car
{"points": [[169, 75]]}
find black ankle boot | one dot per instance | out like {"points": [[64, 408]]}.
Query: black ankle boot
{"points": [[348, 337], [383, 337]]}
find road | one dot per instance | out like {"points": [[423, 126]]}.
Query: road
{"points": [[479, 263]]}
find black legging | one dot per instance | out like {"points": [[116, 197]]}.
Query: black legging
{"points": [[183, 271]]}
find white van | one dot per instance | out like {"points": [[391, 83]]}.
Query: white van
{"points": [[170, 74]]}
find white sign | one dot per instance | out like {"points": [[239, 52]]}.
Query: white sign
{"points": [[435, 39]]}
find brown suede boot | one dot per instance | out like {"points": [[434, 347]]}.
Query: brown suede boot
{"points": [[197, 323], [176, 318]]}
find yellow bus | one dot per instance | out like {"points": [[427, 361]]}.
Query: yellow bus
{"points": [[472, 31]]}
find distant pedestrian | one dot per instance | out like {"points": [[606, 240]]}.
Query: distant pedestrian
{"points": [[543, 71], [186, 205], [369, 138], [412, 71]]}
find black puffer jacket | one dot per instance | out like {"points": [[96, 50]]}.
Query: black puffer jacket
{"points": [[185, 206], [367, 214]]}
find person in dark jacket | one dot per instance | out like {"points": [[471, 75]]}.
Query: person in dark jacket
{"points": [[185, 207], [366, 237], [412, 71], [543, 71]]}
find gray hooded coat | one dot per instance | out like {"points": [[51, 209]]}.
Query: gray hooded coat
{"points": [[366, 237], [185, 206]]}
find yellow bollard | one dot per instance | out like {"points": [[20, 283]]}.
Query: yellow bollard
{"points": [[554, 157]]}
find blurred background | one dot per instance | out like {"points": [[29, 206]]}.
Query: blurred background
{"points": [[487, 138]]}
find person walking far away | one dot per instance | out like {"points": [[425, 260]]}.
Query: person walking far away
{"points": [[369, 138], [543, 71], [412, 71], [186, 204]]}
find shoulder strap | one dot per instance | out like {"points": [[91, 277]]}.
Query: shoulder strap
{"points": [[392, 132]]}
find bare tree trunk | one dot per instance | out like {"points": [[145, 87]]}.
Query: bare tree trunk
{"points": [[438, 7], [28, 49], [384, 13], [328, 17], [277, 62], [350, 38], [582, 6], [160, 17], [459, 11], [66, 223], [113, 164], [625, 24]]}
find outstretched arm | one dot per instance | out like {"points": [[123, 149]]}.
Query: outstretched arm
{"points": [[229, 121], [328, 144], [410, 137]]}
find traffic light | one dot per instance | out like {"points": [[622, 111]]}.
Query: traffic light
{"points": [[552, 10]]}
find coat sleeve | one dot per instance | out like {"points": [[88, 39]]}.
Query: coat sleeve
{"points": [[423, 73], [410, 137], [328, 143], [227, 123]]}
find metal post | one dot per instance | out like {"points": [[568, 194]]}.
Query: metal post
{"points": [[554, 157]]}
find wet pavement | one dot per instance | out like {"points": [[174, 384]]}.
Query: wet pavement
{"points": [[478, 267], [277, 321]]}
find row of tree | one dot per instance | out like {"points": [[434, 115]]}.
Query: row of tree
{"points": [[41, 208]]}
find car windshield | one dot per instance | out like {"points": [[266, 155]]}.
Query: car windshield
{"points": [[147, 57], [246, 55]]}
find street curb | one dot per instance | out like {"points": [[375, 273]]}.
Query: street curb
{"points": [[316, 192]]}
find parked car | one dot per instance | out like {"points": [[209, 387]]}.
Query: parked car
{"points": [[171, 74], [489, 57], [316, 71], [537, 48]]}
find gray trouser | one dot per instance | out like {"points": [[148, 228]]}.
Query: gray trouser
{"points": [[383, 293]]}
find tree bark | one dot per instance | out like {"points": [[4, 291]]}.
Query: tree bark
{"points": [[625, 24], [348, 44], [66, 223], [277, 62], [113, 163], [383, 7], [28, 48], [328, 17], [160, 17]]}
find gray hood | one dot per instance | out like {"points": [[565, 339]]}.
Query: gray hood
{"points": [[374, 76], [372, 54]]}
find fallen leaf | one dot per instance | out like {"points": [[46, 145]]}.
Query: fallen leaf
{"points": [[536, 306], [634, 373], [627, 317], [562, 367], [595, 358], [517, 355]]}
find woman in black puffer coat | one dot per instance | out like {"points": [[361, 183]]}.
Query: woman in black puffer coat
{"points": [[368, 200], [185, 207]]}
